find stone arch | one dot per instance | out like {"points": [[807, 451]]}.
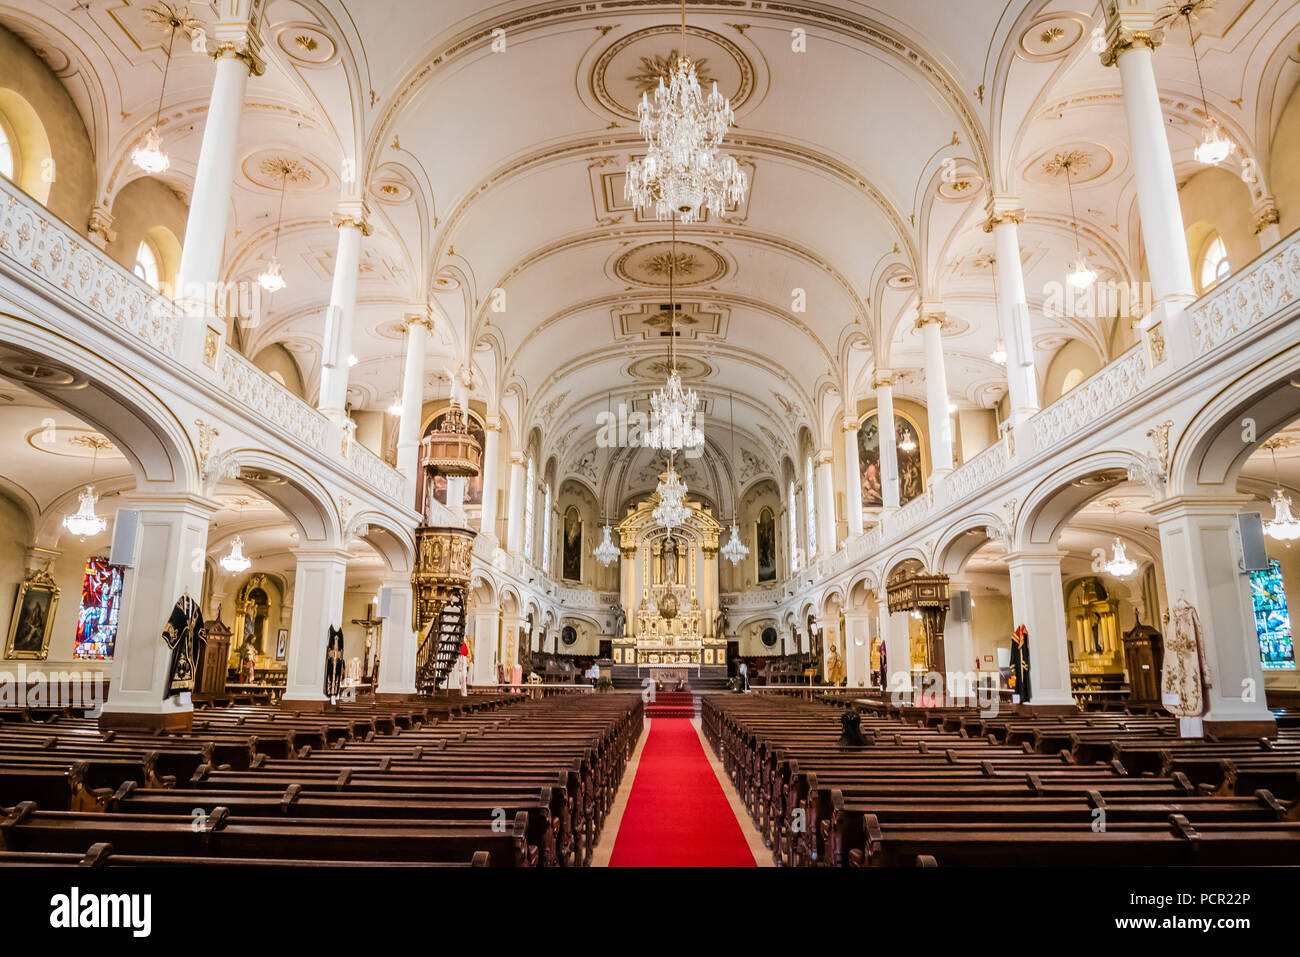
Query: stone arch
{"points": [[1055, 500], [299, 496], [394, 543], [905, 556], [72, 377], [963, 539], [1216, 443]]}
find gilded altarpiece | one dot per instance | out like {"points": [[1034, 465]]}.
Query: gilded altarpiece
{"points": [[669, 591]]}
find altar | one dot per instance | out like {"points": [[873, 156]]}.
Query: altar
{"points": [[669, 592]]}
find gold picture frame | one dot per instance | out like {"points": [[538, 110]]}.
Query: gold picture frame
{"points": [[33, 617]]}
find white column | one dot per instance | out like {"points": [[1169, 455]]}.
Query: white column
{"points": [[214, 178], [888, 437], [1038, 603], [399, 643], [936, 389], [898, 648], [491, 454], [825, 502], [958, 651], [852, 477], [511, 625], [515, 512], [418, 327], [318, 583], [171, 539], [1131, 39], [487, 628], [351, 223], [1005, 216], [857, 649], [1200, 548]]}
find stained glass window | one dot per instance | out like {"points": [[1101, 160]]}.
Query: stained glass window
{"points": [[101, 600], [1272, 621]]}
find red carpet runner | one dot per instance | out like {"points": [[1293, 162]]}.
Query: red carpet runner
{"points": [[677, 815]]}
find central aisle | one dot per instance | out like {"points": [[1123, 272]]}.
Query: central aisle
{"points": [[677, 814]]}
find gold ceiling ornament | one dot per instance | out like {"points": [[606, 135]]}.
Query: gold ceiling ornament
{"points": [[285, 168], [1068, 163], [655, 68], [90, 440], [1191, 10], [168, 17], [1051, 35], [307, 43], [664, 264]]}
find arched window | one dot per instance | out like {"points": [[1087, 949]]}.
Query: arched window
{"points": [[146, 263], [1072, 379], [794, 531], [1215, 266], [530, 498], [809, 492], [546, 531], [6, 151]]}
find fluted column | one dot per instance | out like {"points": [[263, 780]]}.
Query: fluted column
{"points": [[887, 431], [852, 477], [214, 177], [351, 222], [491, 452], [515, 515], [418, 326], [1131, 40], [1005, 217], [825, 501], [936, 389]]}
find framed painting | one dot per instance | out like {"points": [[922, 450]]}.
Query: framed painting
{"points": [[33, 617], [281, 644]]}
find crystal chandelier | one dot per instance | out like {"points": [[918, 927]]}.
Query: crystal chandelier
{"points": [[236, 561], [150, 156], [606, 552], [85, 522], [1080, 275], [735, 550], [1283, 526], [999, 353], [671, 510], [683, 173], [271, 279], [1120, 565], [1214, 146], [673, 408], [908, 444]]}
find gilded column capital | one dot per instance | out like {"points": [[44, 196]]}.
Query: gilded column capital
{"points": [[930, 311], [1266, 215], [245, 46], [419, 316], [1127, 29], [884, 379], [352, 215], [1003, 211], [849, 423]]}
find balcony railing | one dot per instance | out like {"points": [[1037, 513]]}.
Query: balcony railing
{"points": [[43, 250]]}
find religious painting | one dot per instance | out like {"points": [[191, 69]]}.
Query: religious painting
{"points": [[101, 601], [765, 554], [911, 481], [571, 564], [33, 617], [282, 644], [474, 484]]}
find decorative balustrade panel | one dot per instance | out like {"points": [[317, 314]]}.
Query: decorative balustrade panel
{"points": [[260, 394], [1263, 289], [377, 473], [39, 244], [980, 471], [1089, 402], [910, 515]]}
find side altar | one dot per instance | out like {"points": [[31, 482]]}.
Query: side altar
{"points": [[669, 592]]}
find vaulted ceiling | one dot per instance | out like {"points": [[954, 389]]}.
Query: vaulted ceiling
{"points": [[491, 143]]}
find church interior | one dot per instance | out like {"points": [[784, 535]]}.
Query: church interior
{"points": [[653, 433]]}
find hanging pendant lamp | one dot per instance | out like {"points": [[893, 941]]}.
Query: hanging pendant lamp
{"points": [[735, 550], [150, 156], [271, 278]]}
